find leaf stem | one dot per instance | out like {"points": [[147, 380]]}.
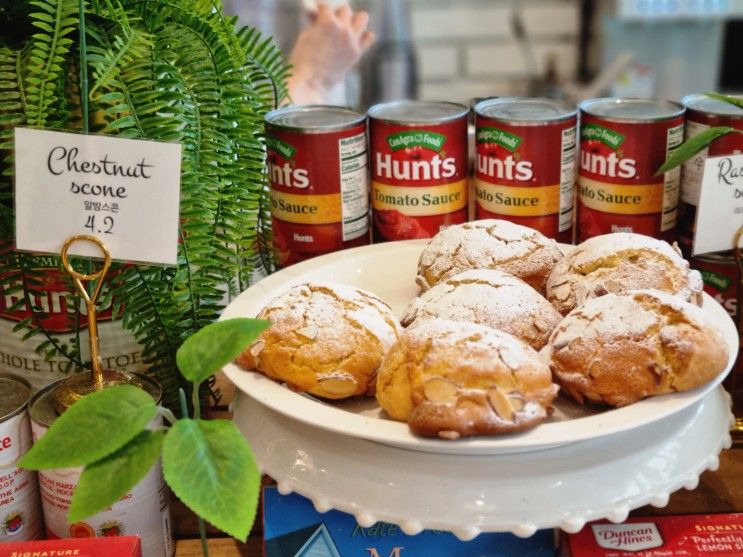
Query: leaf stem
{"points": [[167, 414], [84, 71], [184, 411], [196, 401]]}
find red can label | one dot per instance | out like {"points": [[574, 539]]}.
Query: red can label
{"points": [[319, 190], [617, 187], [693, 168], [419, 178], [526, 174]]}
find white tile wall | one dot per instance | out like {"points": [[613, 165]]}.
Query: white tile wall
{"points": [[467, 49]]}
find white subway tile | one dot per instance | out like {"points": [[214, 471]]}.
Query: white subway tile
{"points": [[508, 58], [437, 61], [461, 22]]}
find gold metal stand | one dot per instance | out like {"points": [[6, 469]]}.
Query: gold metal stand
{"points": [[76, 386], [736, 375]]}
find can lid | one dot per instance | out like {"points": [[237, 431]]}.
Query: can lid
{"points": [[703, 103], [525, 110], [418, 112], [314, 118], [632, 110], [14, 394]]}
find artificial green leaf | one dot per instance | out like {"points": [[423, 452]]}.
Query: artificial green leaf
{"points": [[691, 147], [737, 101], [105, 481], [210, 467], [94, 427], [216, 345]]}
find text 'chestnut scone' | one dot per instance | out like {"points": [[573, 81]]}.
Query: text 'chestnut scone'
{"points": [[488, 244], [488, 297], [452, 379], [618, 349], [326, 339], [616, 263]]}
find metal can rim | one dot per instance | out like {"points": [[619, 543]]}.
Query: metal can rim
{"points": [[376, 112], [25, 405], [355, 118], [38, 395], [568, 114], [588, 107], [692, 102]]}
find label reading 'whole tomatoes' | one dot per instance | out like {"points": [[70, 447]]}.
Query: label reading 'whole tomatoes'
{"points": [[617, 187], [419, 179], [526, 174], [319, 191]]}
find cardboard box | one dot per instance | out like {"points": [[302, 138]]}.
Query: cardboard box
{"points": [[292, 526], [121, 546], [715, 535]]}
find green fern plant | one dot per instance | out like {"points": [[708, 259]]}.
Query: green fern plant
{"points": [[168, 70]]}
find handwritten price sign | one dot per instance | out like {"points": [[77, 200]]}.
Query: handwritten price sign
{"points": [[124, 191]]}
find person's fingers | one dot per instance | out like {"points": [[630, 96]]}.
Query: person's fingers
{"points": [[366, 41], [324, 12], [359, 21], [343, 14]]}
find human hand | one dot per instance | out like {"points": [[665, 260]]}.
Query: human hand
{"points": [[325, 51]]}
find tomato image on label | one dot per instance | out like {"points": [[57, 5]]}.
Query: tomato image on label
{"points": [[111, 529], [394, 224], [81, 530], [13, 522]]}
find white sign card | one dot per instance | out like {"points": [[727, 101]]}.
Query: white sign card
{"points": [[126, 192], [720, 209]]}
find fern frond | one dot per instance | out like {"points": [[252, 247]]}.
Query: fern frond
{"points": [[48, 49]]}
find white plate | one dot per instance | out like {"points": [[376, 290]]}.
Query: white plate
{"points": [[389, 271], [564, 487]]}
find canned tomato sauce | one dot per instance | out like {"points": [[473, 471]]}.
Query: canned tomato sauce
{"points": [[419, 168], [702, 113], [143, 511], [623, 142], [525, 163], [319, 181], [20, 511]]}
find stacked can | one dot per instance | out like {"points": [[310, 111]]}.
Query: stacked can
{"points": [[623, 143], [418, 167], [525, 163], [20, 512], [702, 113], [143, 511], [319, 181]]}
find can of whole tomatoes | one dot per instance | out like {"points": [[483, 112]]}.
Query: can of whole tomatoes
{"points": [[702, 113], [525, 163], [144, 511], [623, 143], [419, 168], [20, 510], [319, 180]]}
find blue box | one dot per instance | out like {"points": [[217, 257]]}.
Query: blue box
{"points": [[293, 528]]}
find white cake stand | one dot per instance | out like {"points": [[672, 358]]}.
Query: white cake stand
{"points": [[520, 493]]}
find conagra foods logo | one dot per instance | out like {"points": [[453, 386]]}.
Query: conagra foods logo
{"points": [[281, 168], [627, 537], [601, 152], [497, 155]]}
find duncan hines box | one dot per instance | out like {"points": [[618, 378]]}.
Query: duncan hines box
{"points": [[715, 535]]}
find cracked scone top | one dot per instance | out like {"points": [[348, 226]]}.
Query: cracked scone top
{"points": [[490, 244], [326, 339], [618, 349], [617, 263], [452, 379], [488, 297]]}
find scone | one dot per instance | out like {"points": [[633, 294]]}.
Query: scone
{"points": [[488, 244], [488, 297], [617, 263], [452, 379], [326, 339], [618, 349]]}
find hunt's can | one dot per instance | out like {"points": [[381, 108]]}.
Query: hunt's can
{"points": [[20, 510], [319, 180], [702, 113], [623, 143], [143, 511], [419, 168], [525, 163]]}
